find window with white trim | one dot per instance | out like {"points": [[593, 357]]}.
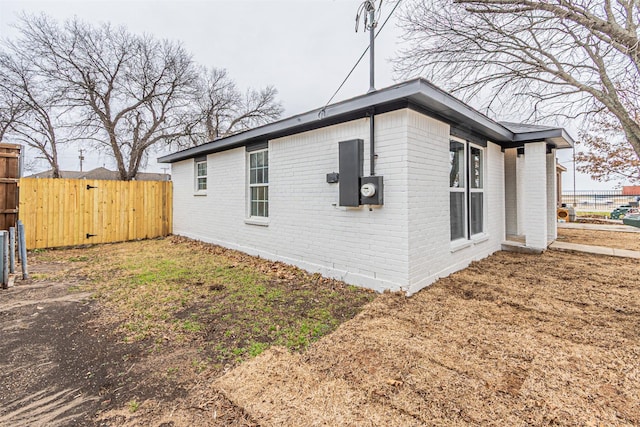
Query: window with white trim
{"points": [[259, 184], [476, 190], [201, 175], [466, 189]]}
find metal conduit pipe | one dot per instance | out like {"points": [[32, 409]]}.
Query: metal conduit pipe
{"points": [[372, 143]]}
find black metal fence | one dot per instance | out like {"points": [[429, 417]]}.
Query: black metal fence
{"points": [[598, 200]]}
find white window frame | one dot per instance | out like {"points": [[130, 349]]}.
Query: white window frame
{"points": [[477, 190], [197, 177], [467, 189], [257, 219], [461, 189]]}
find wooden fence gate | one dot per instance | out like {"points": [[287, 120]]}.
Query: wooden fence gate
{"points": [[66, 212]]}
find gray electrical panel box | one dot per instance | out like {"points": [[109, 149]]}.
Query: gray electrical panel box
{"points": [[371, 190], [351, 164]]}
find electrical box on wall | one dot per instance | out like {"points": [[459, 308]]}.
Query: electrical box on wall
{"points": [[371, 190], [350, 157], [333, 177]]}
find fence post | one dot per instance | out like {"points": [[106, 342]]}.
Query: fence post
{"points": [[18, 243], [22, 245], [12, 250], [3, 258]]}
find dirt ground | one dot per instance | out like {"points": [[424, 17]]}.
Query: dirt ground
{"points": [[611, 239], [118, 335], [61, 365], [514, 339]]}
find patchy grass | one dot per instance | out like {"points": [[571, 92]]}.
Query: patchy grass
{"points": [[174, 291], [594, 214]]}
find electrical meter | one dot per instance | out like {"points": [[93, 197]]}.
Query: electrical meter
{"points": [[368, 190], [371, 190]]}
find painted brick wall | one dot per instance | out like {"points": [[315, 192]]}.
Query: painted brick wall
{"points": [[430, 254], [495, 198], [521, 190], [552, 197], [403, 245], [429, 231], [306, 227], [216, 212], [510, 191], [535, 194]]}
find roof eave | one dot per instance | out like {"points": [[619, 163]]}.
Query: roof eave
{"points": [[445, 105], [557, 137], [418, 91]]}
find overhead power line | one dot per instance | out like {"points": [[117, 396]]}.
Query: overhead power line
{"points": [[322, 111]]}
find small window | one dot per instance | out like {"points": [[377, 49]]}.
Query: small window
{"points": [[201, 175], [259, 183]]}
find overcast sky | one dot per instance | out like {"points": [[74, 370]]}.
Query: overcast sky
{"points": [[304, 48]]}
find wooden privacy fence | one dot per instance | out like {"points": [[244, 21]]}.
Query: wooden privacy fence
{"points": [[9, 177], [66, 212]]}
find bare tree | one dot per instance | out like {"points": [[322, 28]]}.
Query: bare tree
{"points": [[543, 57], [33, 108], [11, 109], [129, 92], [223, 110], [604, 153]]}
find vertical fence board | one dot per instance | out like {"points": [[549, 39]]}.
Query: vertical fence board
{"points": [[169, 208], [140, 212], [95, 214], [100, 212], [83, 212], [123, 213], [3, 188], [49, 213], [111, 217], [42, 230], [64, 220], [131, 214], [58, 228], [150, 212], [73, 210], [61, 212]]}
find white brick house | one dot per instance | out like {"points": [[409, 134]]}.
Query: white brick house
{"points": [[455, 185]]}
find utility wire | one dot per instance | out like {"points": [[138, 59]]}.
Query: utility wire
{"points": [[322, 111]]}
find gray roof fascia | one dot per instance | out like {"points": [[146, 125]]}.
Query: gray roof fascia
{"points": [[264, 132], [440, 102], [558, 136], [524, 127], [418, 91]]}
